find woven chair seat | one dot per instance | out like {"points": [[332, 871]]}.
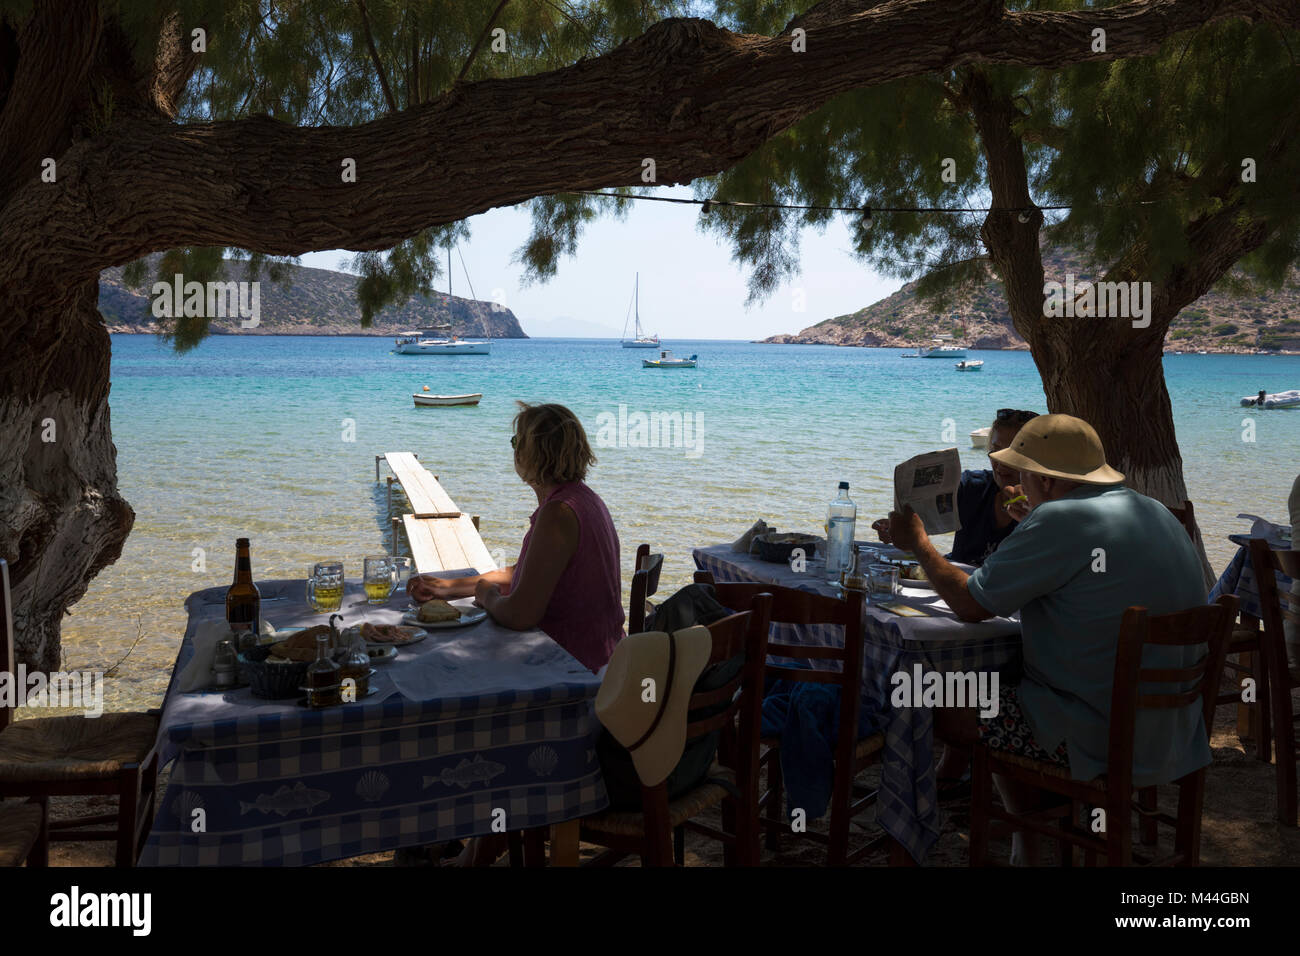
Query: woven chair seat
{"points": [[1038, 766], [632, 822], [20, 824], [1243, 638], [54, 749]]}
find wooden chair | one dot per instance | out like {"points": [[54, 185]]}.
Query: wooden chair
{"points": [[1209, 625], [645, 582], [45, 757], [1278, 606], [1186, 516], [655, 832], [852, 756], [21, 827]]}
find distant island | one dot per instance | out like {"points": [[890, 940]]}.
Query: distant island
{"points": [[979, 319], [316, 302]]}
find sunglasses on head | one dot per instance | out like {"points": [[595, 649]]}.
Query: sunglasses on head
{"points": [[1014, 415], [514, 441]]}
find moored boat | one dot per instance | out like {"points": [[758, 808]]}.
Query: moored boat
{"points": [[979, 438], [666, 360], [964, 366], [1287, 399], [426, 342], [640, 339], [427, 399]]}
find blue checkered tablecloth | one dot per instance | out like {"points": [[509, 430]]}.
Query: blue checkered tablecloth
{"points": [[908, 808], [493, 725], [1239, 578]]}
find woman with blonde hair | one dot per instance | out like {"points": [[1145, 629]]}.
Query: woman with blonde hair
{"points": [[567, 579]]}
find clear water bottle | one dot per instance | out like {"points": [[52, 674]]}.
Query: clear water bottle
{"points": [[840, 521]]}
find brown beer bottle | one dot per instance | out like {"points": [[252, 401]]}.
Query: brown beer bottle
{"points": [[243, 602]]}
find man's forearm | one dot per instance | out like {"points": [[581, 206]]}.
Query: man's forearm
{"points": [[950, 582]]}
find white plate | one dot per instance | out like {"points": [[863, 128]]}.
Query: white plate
{"points": [[382, 653], [418, 636], [468, 616]]}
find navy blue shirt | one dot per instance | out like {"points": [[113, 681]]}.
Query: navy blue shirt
{"points": [[979, 535]]}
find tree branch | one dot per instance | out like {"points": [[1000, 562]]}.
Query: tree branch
{"points": [[479, 43], [374, 57], [694, 97]]}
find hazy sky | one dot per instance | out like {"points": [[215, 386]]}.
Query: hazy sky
{"points": [[690, 287]]}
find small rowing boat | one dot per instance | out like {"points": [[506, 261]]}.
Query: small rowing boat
{"points": [[964, 366], [426, 399], [979, 438]]}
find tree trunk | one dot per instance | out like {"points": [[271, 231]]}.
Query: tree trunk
{"points": [[61, 517]]}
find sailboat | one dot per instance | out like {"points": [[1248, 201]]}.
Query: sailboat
{"points": [[430, 342], [642, 341]]}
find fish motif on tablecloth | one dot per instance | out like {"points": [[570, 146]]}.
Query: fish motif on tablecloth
{"points": [[467, 773], [286, 800]]}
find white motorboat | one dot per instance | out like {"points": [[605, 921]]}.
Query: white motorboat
{"points": [[979, 438], [1287, 399], [424, 398], [428, 342], [666, 360], [964, 366], [640, 340]]}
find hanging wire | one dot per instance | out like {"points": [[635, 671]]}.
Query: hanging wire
{"points": [[868, 211]]}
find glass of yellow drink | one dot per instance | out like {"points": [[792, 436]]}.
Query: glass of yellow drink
{"points": [[325, 586]]}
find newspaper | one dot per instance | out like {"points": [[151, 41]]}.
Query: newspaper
{"points": [[929, 484]]}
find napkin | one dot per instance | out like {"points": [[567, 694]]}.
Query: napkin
{"points": [[743, 544], [198, 672]]}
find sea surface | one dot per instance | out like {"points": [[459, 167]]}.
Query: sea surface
{"points": [[275, 438]]}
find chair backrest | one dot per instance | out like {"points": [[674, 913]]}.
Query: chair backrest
{"points": [[1186, 516], [645, 582], [6, 638], [1209, 624], [794, 606], [738, 720], [1277, 606]]}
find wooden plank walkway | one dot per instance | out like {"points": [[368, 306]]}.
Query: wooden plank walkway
{"points": [[427, 497], [446, 544], [440, 536]]}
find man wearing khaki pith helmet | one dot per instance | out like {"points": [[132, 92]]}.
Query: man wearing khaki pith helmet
{"points": [[1088, 549]]}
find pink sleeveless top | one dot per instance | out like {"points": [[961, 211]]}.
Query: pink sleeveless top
{"points": [[585, 615]]}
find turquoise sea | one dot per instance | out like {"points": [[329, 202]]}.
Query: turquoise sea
{"points": [[274, 438]]}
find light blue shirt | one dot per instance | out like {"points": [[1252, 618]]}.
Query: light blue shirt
{"points": [[1050, 569]]}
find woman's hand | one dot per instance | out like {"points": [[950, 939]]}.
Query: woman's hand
{"points": [[426, 587], [1020, 510], [881, 528], [484, 592]]}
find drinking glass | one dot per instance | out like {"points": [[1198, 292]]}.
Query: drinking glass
{"points": [[383, 574], [325, 586], [883, 580]]}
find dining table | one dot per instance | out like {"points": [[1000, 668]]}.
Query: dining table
{"points": [[934, 640], [468, 731]]}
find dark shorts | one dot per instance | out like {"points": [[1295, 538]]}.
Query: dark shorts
{"points": [[1010, 732]]}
